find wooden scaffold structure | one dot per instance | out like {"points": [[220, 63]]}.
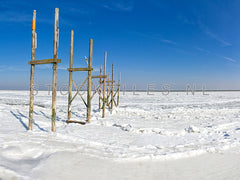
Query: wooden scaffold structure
{"points": [[53, 61], [112, 92], [88, 79], [105, 88], [106, 98]]}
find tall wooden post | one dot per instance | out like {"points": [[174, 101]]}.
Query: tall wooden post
{"points": [[55, 56], [70, 77], [118, 88], [89, 81], [32, 71], [99, 99], [112, 86], [104, 85]]}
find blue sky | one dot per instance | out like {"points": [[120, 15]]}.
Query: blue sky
{"points": [[161, 42]]}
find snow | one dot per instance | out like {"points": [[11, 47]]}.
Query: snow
{"points": [[170, 131]]}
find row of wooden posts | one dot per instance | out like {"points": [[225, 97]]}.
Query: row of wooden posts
{"points": [[108, 96]]}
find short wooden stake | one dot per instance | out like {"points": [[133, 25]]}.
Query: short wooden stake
{"points": [[54, 83], [32, 71], [104, 85], [89, 81], [70, 77]]}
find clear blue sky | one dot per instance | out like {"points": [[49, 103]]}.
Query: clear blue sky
{"points": [[155, 41]]}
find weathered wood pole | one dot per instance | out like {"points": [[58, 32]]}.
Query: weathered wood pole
{"points": [[54, 83], [70, 77], [32, 71], [108, 91], [108, 84], [118, 88], [99, 99], [112, 86], [104, 84], [89, 81]]}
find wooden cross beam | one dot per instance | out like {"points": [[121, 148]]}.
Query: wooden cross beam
{"points": [[101, 76], [80, 69], [74, 121], [44, 61], [110, 82], [96, 90], [78, 89], [79, 93]]}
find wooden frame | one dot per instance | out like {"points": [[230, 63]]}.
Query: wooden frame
{"points": [[89, 69], [98, 89], [53, 61], [111, 93]]}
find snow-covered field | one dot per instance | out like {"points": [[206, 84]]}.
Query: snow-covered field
{"points": [[148, 137]]}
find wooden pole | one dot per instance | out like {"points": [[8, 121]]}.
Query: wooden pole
{"points": [[108, 93], [54, 83], [118, 88], [70, 77], [104, 85], [89, 81], [112, 86], [32, 71], [108, 83], [99, 99]]}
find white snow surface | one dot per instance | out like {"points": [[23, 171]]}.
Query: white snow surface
{"points": [[144, 128]]}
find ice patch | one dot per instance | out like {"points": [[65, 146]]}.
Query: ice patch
{"points": [[192, 129]]}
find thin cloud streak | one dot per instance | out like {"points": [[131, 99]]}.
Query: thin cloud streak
{"points": [[168, 41], [203, 50], [156, 37], [206, 30], [118, 5], [229, 59], [209, 52], [212, 35]]}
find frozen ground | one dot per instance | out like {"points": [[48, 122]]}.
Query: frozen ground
{"points": [[148, 137]]}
